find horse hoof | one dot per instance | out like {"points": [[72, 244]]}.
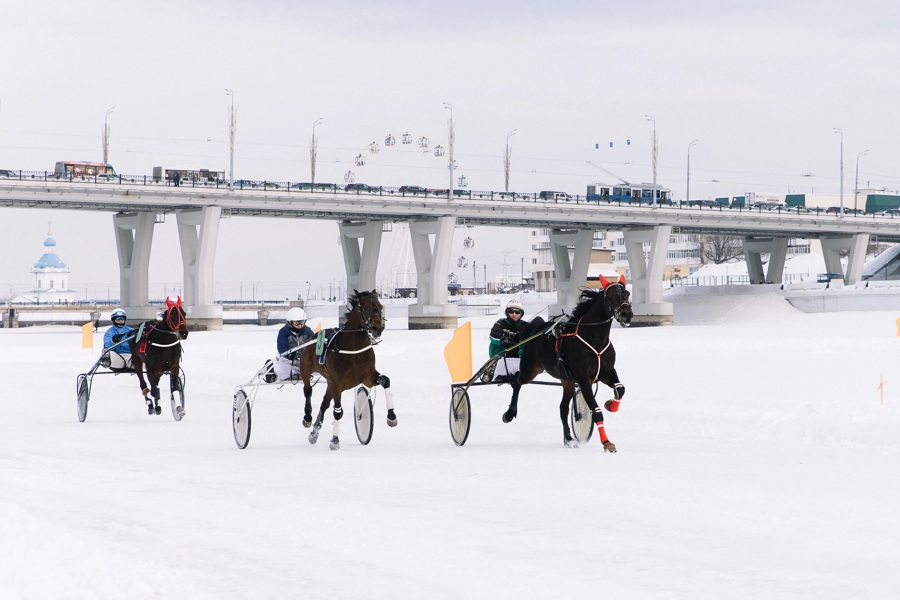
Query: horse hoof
{"points": [[307, 421], [573, 443], [391, 422], [508, 417], [314, 436], [335, 443], [157, 410], [609, 447], [149, 410], [611, 405]]}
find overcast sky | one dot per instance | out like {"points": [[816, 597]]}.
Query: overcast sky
{"points": [[760, 85]]}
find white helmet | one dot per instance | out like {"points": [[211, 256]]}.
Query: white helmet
{"points": [[296, 314], [515, 304]]}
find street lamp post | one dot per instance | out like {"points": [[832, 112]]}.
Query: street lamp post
{"points": [[652, 119], [687, 193], [232, 127], [841, 132], [506, 160], [313, 146], [451, 136], [856, 183], [106, 135]]}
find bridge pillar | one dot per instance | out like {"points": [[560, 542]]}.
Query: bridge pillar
{"points": [[777, 250], [134, 237], [198, 232], [361, 265], [647, 274], [855, 246], [571, 274], [431, 310]]}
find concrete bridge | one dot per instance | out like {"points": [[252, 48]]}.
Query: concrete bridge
{"points": [[360, 219]]}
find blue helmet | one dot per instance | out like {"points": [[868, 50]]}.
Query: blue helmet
{"points": [[116, 314]]}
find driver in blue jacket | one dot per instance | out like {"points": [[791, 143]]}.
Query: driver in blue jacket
{"points": [[119, 356]]}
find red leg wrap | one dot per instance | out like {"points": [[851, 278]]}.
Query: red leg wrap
{"points": [[602, 433]]}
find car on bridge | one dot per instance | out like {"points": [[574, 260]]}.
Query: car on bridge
{"points": [[361, 187], [412, 189], [245, 183], [8, 174]]}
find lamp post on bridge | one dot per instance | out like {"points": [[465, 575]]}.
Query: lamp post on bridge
{"points": [[451, 136], [856, 184], [652, 119], [313, 151], [840, 131], [106, 135], [232, 128], [506, 161], [687, 192]]}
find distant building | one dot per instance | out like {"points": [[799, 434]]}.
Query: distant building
{"points": [[51, 279]]}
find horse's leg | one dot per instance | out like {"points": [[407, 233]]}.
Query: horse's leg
{"points": [[568, 393], [317, 425], [513, 409], [307, 404], [175, 383], [336, 426], [154, 375], [612, 380], [137, 364], [385, 382], [587, 390]]}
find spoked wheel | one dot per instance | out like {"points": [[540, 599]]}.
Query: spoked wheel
{"points": [[177, 396], [362, 415], [580, 417], [460, 416], [83, 389], [240, 419]]}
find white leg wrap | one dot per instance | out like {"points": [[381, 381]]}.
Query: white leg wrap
{"points": [[389, 398], [336, 428]]}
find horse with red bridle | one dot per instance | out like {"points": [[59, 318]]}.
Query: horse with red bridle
{"points": [[578, 351], [156, 347]]}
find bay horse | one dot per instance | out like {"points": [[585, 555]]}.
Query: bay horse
{"points": [[578, 351], [157, 347], [347, 359]]}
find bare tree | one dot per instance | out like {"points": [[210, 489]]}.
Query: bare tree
{"points": [[718, 249]]}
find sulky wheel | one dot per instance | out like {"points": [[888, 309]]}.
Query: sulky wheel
{"points": [[362, 415], [83, 389], [240, 419], [580, 417], [460, 416]]}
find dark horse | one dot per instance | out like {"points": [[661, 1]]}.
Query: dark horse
{"points": [[349, 360], [578, 351], [157, 347]]}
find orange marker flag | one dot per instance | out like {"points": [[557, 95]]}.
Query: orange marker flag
{"points": [[318, 327], [458, 353], [87, 335]]}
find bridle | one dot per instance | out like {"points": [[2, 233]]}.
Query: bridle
{"points": [[366, 316], [177, 321], [615, 311]]}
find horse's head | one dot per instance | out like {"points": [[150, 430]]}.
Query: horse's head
{"points": [[175, 317], [616, 297], [366, 312]]}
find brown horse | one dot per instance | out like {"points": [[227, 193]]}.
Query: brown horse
{"points": [[347, 359], [578, 351], [157, 347]]}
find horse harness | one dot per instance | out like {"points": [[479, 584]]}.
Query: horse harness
{"points": [[328, 345], [599, 353], [144, 335]]}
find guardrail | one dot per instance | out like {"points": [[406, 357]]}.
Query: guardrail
{"points": [[287, 187]]}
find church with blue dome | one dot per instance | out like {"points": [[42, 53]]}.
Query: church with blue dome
{"points": [[51, 279]]}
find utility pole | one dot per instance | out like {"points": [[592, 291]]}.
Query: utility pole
{"points": [[106, 135], [232, 127]]}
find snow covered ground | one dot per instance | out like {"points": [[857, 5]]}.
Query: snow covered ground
{"points": [[756, 459]]}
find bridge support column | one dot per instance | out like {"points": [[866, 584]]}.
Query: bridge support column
{"points": [[360, 264], [647, 274], [571, 274], [198, 232], [777, 250], [134, 238], [431, 310], [855, 246]]}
